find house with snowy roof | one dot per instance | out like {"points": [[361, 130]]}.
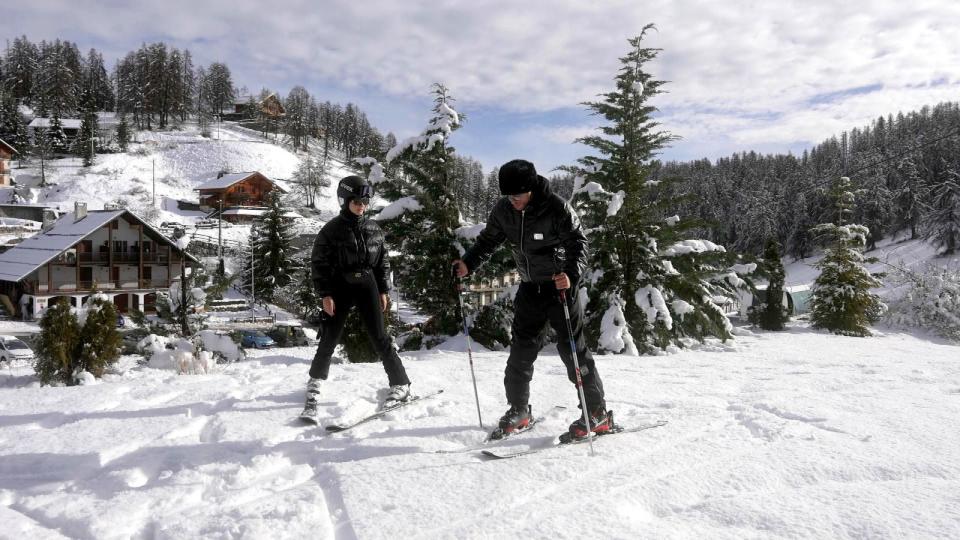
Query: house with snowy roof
{"points": [[242, 197], [114, 252], [6, 154], [270, 108], [70, 127]]}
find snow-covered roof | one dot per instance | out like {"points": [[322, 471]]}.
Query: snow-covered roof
{"points": [[9, 148], [17, 262], [228, 180], [65, 123]]}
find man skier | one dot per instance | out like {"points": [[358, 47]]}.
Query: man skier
{"points": [[538, 224], [350, 268]]}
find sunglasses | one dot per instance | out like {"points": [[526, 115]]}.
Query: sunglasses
{"points": [[365, 201]]}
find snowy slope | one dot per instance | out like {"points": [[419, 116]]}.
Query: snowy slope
{"points": [[180, 161], [794, 434]]}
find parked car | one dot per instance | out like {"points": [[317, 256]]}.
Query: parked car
{"points": [[256, 339], [12, 348], [290, 334]]}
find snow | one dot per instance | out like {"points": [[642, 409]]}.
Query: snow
{"points": [[470, 232], [791, 434], [691, 246], [398, 208]]}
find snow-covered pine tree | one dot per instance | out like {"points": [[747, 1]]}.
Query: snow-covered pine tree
{"points": [[841, 301], [123, 133], [57, 344], [58, 140], [271, 239], [941, 218], [774, 313], [99, 338], [85, 144], [649, 287], [421, 220]]}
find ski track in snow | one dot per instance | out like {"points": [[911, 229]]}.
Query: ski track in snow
{"points": [[797, 434]]}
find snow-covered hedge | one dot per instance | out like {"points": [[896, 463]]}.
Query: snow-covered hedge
{"points": [[928, 298]]}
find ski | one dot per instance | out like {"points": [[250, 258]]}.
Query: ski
{"points": [[557, 444], [337, 428], [488, 441]]}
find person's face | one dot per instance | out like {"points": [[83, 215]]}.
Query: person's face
{"points": [[359, 206], [520, 200]]}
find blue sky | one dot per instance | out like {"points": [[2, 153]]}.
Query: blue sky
{"points": [[744, 75]]}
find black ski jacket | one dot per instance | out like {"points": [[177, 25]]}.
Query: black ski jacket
{"points": [[535, 235], [347, 250]]}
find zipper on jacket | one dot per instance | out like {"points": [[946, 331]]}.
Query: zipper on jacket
{"points": [[523, 213]]}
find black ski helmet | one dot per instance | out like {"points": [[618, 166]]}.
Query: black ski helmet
{"points": [[353, 187], [517, 176]]}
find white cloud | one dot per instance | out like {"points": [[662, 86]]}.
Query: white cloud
{"points": [[740, 70]]}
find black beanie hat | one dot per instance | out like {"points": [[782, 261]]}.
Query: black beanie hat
{"points": [[517, 176]]}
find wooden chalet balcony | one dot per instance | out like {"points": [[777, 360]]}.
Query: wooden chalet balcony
{"points": [[33, 287], [103, 257]]}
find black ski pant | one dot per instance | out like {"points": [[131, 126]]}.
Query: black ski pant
{"points": [[536, 304], [365, 296]]}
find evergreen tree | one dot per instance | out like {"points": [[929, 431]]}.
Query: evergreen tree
{"points": [[84, 145], [421, 221], [57, 344], [649, 287], [941, 220], [841, 301], [58, 140], [100, 341], [271, 239], [774, 313], [123, 133]]}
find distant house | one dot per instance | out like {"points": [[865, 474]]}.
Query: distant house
{"points": [[269, 107], [107, 123], [70, 126], [43, 214], [796, 298], [110, 251], [236, 190], [6, 154], [487, 290]]}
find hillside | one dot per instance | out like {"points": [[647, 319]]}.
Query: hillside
{"points": [[180, 161]]}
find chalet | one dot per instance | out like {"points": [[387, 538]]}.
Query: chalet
{"points": [[70, 127], [487, 290], [107, 123], [248, 189], [6, 154], [110, 251], [268, 108]]}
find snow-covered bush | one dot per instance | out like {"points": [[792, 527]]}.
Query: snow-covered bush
{"points": [[75, 345], [492, 323], [196, 355], [928, 298]]}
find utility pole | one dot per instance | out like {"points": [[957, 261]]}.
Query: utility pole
{"points": [[153, 168]]}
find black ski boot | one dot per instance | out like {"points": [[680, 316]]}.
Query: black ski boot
{"points": [[309, 413], [515, 420]]}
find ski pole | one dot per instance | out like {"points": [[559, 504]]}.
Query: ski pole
{"points": [[576, 365], [466, 334]]}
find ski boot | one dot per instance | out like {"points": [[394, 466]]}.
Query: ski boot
{"points": [[515, 420], [601, 423], [398, 394], [309, 413]]}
